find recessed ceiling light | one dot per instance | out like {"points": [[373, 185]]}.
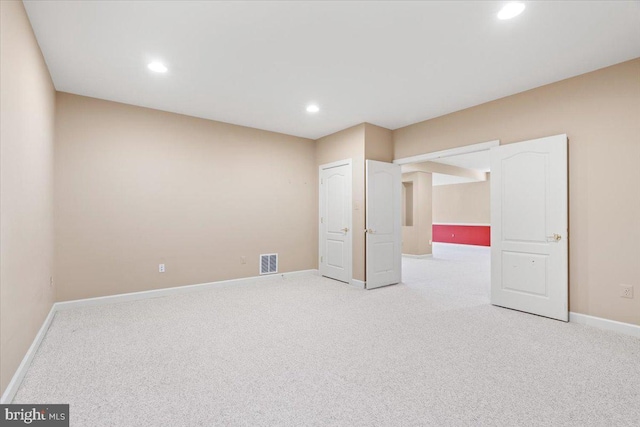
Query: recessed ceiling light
{"points": [[157, 67], [312, 108], [511, 10]]}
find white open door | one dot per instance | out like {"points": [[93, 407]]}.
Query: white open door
{"points": [[529, 227], [335, 221], [384, 224]]}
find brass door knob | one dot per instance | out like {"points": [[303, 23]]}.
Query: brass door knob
{"points": [[554, 238]]}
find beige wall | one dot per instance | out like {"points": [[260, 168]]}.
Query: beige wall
{"points": [[416, 238], [600, 113], [137, 187], [378, 143], [348, 144], [467, 203], [26, 208]]}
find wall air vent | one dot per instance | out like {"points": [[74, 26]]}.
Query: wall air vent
{"points": [[268, 263]]}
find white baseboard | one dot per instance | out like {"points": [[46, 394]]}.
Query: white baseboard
{"points": [[610, 325], [357, 283], [15, 382], [177, 290], [461, 245], [417, 256]]}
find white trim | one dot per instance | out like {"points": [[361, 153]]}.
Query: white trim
{"points": [[417, 256], [15, 382], [483, 146], [177, 290], [609, 325], [462, 223], [335, 164], [344, 162], [358, 283], [461, 245]]}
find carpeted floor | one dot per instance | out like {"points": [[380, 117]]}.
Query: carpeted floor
{"points": [[309, 351]]}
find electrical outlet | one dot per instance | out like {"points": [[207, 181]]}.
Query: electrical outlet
{"points": [[430, 242], [51, 281], [243, 260], [161, 268], [626, 291]]}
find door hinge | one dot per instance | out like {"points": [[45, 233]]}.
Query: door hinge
{"points": [[321, 258], [321, 181], [321, 220]]}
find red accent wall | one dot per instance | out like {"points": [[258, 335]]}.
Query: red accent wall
{"points": [[479, 235]]}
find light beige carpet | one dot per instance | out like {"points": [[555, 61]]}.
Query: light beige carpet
{"points": [[310, 351]]}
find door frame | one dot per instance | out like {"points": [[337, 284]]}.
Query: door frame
{"points": [[349, 201], [463, 149]]}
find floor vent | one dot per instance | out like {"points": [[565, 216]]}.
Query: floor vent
{"points": [[268, 263]]}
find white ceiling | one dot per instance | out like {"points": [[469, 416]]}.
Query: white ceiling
{"points": [[260, 63]]}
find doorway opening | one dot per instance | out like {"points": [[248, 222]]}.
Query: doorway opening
{"points": [[528, 218], [446, 224]]}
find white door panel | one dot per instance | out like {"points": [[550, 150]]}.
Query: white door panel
{"points": [[335, 221], [384, 224], [529, 227], [336, 188], [524, 177]]}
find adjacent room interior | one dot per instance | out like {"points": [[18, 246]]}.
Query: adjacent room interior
{"points": [[321, 213], [446, 212]]}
